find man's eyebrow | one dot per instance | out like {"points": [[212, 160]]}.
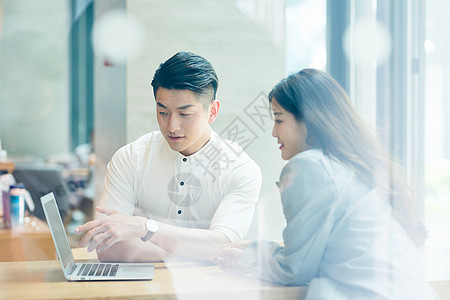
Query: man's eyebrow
{"points": [[181, 107], [277, 113], [185, 106]]}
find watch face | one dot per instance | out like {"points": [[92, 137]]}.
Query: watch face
{"points": [[151, 225]]}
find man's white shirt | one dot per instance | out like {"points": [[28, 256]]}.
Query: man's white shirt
{"points": [[215, 188]]}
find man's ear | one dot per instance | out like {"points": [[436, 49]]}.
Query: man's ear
{"points": [[213, 111]]}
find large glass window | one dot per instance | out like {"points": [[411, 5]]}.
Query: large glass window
{"points": [[252, 45], [437, 130]]}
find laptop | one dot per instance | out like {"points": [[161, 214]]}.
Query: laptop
{"points": [[87, 271]]}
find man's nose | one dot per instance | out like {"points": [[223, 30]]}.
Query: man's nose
{"points": [[174, 124]]}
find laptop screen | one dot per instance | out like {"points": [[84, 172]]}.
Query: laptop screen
{"points": [[57, 229]]}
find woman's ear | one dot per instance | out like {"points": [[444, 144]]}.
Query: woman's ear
{"points": [[213, 111]]}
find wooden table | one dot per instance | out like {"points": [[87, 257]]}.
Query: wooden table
{"points": [[30, 241], [174, 280]]}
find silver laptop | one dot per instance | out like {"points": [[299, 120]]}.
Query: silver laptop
{"points": [[87, 271]]}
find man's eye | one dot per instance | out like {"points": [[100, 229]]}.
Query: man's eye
{"points": [[163, 113], [278, 121], [185, 115]]}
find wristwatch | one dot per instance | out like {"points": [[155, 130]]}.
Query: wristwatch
{"points": [[152, 228]]}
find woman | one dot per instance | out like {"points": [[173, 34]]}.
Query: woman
{"points": [[351, 231]]}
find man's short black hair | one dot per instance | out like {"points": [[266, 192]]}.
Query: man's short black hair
{"points": [[188, 71]]}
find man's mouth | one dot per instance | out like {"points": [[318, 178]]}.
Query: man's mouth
{"points": [[175, 138]]}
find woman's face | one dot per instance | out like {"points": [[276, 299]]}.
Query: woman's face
{"points": [[290, 133]]}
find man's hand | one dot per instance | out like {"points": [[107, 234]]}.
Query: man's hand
{"points": [[103, 233]]}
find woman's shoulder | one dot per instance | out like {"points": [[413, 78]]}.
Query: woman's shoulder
{"points": [[315, 167], [306, 176], [312, 159], [307, 166], [316, 159]]}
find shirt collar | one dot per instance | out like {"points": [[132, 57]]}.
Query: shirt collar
{"points": [[177, 155]]}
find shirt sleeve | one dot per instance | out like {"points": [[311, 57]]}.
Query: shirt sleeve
{"points": [[118, 191], [234, 214], [308, 198]]}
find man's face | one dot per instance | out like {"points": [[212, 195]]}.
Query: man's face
{"points": [[183, 120]]}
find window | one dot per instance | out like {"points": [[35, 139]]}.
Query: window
{"points": [[437, 125]]}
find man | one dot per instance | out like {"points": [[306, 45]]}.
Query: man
{"points": [[181, 191]]}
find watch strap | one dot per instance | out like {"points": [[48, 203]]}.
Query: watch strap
{"points": [[147, 236]]}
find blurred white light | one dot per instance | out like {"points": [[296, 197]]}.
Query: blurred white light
{"points": [[367, 42], [116, 37], [429, 46]]}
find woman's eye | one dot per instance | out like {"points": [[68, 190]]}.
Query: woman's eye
{"points": [[278, 121]]}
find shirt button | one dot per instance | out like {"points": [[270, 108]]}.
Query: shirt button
{"points": [[184, 159], [182, 183], [179, 212]]}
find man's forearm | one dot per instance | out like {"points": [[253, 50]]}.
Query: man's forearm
{"points": [[117, 237], [188, 243], [134, 250]]}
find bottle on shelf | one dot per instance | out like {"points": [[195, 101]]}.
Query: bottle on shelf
{"points": [[17, 195], [6, 180]]}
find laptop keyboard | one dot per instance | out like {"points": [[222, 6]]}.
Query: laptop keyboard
{"points": [[98, 270]]}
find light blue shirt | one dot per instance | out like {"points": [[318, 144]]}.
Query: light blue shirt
{"points": [[341, 238]]}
